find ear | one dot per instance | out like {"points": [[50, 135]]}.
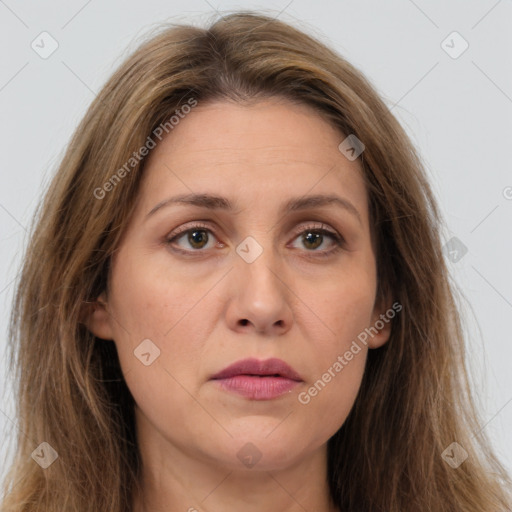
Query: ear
{"points": [[96, 318], [380, 328]]}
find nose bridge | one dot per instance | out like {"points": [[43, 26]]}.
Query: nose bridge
{"points": [[260, 294], [258, 265]]}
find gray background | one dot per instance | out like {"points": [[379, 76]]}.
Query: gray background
{"points": [[458, 112]]}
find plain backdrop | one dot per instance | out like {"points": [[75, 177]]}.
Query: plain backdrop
{"points": [[451, 92]]}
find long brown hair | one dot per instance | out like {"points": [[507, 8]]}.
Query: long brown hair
{"points": [[415, 399]]}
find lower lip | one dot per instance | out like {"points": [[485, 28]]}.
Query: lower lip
{"points": [[258, 388]]}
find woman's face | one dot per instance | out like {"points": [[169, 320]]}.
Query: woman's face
{"points": [[240, 269]]}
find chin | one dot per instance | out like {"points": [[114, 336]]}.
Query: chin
{"points": [[260, 449]]}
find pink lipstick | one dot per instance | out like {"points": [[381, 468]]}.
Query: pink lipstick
{"points": [[258, 380]]}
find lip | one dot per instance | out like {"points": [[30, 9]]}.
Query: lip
{"points": [[258, 380]]}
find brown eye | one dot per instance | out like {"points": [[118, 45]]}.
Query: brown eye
{"points": [[313, 237], [196, 238]]}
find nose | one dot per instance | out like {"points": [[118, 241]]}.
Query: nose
{"points": [[260, 298]]}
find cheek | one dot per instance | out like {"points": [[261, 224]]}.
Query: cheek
{"points": [[149, 299], [327, 401], [341, 354], [153, 315], [341, 312], [161, 374], [334, 320]]}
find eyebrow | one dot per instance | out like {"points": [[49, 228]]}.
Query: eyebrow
{"points": [[214, 202]]}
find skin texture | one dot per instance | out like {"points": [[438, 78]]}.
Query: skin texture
{"points": [[211, 308]]}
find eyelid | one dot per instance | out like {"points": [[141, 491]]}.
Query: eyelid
{"points": [[298, 230], [320, 226], [187, 227]]}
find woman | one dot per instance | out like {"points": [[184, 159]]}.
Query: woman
{"points": [[235, 298]]}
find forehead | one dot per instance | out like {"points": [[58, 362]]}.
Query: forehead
{"points": [[268, 149], [264, 129]]}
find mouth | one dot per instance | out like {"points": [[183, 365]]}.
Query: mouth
{"points": [[258, 380]]}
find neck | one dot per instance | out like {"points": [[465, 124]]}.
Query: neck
{"points": [[173, 479], [269, 491]]}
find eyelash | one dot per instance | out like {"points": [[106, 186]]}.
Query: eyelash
{"points": [[339, 241]]}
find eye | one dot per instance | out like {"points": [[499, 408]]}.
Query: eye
{"points": [[313, 236], [196, 236]]}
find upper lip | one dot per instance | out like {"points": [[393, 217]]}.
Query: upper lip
{"points": [[253, 366]]}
